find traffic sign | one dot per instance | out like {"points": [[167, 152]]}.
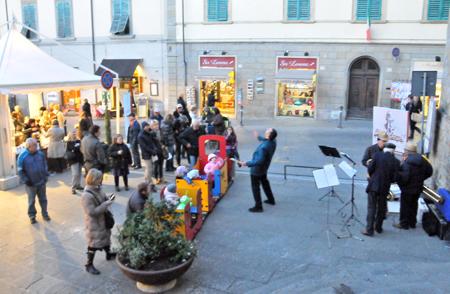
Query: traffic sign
{"points": [[107, 80]]}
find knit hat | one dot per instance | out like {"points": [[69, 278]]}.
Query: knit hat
{"points": [[211, 156], [172, 188], [181, 171], [193, 174]]}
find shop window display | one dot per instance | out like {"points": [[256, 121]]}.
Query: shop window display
{"points": [[224, 95], [296, 99]]}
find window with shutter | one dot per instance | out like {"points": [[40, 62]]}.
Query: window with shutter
{"points": [[29, 18], [368, 7], [217, 10], [64, 24], [438, 9], [298, 9], [121, 12]]}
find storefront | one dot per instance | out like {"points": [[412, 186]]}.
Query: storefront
{"points": [[216, 78], [296, 81]]}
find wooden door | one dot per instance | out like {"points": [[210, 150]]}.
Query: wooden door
{"points": [[363, 92]]}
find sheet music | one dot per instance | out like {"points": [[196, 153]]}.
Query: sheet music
{"points": [[330, 172], [320, 178], [347, 169]]}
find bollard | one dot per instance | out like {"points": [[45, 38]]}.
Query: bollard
{"points": [[341, 114]]}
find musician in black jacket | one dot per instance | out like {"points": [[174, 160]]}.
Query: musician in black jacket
{"points": [[382, 138], [383, 171], [414, 171]]}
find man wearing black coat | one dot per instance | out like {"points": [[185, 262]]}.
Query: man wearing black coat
{"points": [[414, 170], [413, 106], [382, 138], [87, 108], [133, 132], [189, 138], [383, 171], [148, 150]]}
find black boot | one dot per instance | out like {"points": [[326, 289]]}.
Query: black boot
{"points": [[90, 268], [109, 255]]}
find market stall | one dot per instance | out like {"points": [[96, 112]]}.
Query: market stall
{"points": [[296, 86], [217, 77], [26, 69]]}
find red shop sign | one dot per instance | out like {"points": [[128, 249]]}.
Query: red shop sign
{"points": [[297, 63], [217, 62]]}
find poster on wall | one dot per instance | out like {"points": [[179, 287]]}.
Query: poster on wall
{"points": [[400, 91], [394, 122]]}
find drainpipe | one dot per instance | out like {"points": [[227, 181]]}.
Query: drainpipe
{"points": [[93, 35], [7, 14], [184, 44]]}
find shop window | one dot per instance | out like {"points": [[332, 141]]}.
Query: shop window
{"points": [[121, 12], [438, 9], [64, 24], [298, 9], [296, 98], [371, 8], [29, 18], [217, 10]]}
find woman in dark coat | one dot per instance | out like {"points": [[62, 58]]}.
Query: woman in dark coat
{"points": [[168, 139], [95, 203], [74, 158], [158, 164], [218, 122], [121, 159]]}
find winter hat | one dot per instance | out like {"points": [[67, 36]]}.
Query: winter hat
{"points": [[157, 109], [389, 147], [211, 156], [411, 147], [172, 188], [193, 174], [181, 171]]}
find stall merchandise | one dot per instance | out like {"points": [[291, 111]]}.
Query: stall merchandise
{"points": [[296, 98], [224, 93]]}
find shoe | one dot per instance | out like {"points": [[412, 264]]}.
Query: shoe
{"points": [[379, 231], [399, 226], [412, 226], [79, 188], [90, 268], [158, 181], [137, 167], [255, 209], [126, 188], [154, 190], [33, 220], [111, 255], [269, 202], [365, 233], [74, 192], [47, 218], [117, 189]]}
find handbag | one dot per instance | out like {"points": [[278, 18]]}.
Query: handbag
{"points": [[416, 117], [165, 152], [109, 217], [69, 155]]}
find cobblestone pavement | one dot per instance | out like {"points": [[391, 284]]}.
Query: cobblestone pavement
{"points": [[290, 248]]}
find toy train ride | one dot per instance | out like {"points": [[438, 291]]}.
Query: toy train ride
{"points": [[199, 195]]}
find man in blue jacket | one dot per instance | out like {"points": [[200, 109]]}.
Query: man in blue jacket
{"points": [[133, 132], [34, 173], [258, 169]]}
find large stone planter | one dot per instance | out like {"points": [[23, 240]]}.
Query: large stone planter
{"points": [[155, 281]]}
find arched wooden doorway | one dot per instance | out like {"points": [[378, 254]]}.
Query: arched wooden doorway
{"points": [[363, 94]]}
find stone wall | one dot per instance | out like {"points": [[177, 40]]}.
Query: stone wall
{"points": [[259, 59]]}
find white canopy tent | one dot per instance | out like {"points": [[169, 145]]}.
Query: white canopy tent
{"points": [[24, 68]]}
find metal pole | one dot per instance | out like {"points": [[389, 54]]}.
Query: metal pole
{"points": [[7, 14], [341, 114], [184, 45], [93, 35], [422, 131]]}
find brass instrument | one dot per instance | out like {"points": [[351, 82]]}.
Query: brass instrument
{"points": [[432, 195]]}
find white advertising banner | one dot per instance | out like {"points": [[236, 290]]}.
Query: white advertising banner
{"points": [[394, 122], [430, 126]]}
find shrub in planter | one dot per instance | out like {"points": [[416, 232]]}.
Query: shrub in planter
{"points": [[150, 250]]}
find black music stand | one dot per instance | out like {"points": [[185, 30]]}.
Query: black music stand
{"points": [[333, 153]]}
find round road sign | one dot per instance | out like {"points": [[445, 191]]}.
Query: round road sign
{"points": [[107, 80]]}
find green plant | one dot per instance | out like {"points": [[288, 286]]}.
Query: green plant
{"points": [[148, 239]]}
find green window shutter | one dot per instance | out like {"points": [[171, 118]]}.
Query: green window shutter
{"points": [[222, 10], [64, 19], [362, 7], [68, 30], [298, 9], [29, 18], [120, 17], [60, 18], [438, 9], [212, 10]]}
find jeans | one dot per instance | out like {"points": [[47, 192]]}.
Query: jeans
{"points": [[136, 155], [125, 180], [158, 167], [40, 191], [148, 170], [376, 211], [256, 182], [192, 161], [169, 162], [76, 175]]}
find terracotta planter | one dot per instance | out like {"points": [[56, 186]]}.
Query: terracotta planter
{"points": [[155, 281]]}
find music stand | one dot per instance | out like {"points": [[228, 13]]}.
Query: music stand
{"points": [[333, 153]]}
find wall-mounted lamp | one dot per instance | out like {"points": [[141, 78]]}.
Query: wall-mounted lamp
{"points": [[437, 58], [306, 54], [206, 52], [286, 53], [224, 52]]}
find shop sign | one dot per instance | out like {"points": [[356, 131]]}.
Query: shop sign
{"points": [[296, 63], [217, 62]]}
